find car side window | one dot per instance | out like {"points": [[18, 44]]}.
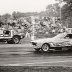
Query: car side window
{"points": [[6, 32], [69, 36]]}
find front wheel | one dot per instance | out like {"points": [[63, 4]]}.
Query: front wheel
{"points": [[10, 42], [45, 47], [16, 40]]}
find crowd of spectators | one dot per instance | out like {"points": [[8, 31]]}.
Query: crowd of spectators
{"points": [[43, 25], [50, 25]]}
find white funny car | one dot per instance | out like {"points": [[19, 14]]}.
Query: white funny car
{"points": [[62, 40]]}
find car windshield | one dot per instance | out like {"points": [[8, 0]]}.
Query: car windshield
{"points": [[61, 35]]}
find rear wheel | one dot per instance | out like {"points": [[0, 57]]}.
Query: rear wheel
{"points": [[16, 39], [45, 47]]}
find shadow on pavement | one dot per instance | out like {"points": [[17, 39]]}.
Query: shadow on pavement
{"points": [[55, 53]]}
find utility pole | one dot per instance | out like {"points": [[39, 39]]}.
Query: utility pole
{"points": [[33, 28], [60, 4]]}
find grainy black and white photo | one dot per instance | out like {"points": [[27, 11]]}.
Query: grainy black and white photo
{"points": [[35, 35]]}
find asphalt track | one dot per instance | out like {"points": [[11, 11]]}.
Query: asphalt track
{"points": [[24, 55]]}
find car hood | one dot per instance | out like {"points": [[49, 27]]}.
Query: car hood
{"points": [[43, 40]]}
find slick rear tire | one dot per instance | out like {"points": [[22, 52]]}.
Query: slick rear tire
{"points": [[45, 47]]}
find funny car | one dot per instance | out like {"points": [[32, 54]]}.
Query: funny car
{"points": [[62, 40], [10, 36]]}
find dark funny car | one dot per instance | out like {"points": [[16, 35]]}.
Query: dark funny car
{"points": [[11, 36]]}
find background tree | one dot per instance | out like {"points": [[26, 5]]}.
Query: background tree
{"points": [[53, 10], [4, 18], [67, 13]]}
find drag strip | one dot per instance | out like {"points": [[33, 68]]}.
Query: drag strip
{"points": [[50, 61], [24, 55], [15, 45]]}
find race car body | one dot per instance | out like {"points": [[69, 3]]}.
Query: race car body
{"points": [[58, 42], [11, 36]]}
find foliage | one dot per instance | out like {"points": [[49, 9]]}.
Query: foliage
{"points": [[53, 10], [67, 12], [4, 18]]}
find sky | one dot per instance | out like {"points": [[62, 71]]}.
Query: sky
{"points": [[8, 6]]}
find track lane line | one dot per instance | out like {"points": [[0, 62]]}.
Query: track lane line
{"points": [[35, 63]]}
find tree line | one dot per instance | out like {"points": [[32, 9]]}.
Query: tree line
{"points": [[52, 10]]}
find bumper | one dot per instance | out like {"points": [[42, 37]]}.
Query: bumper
{"points": [[36, 46]]}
